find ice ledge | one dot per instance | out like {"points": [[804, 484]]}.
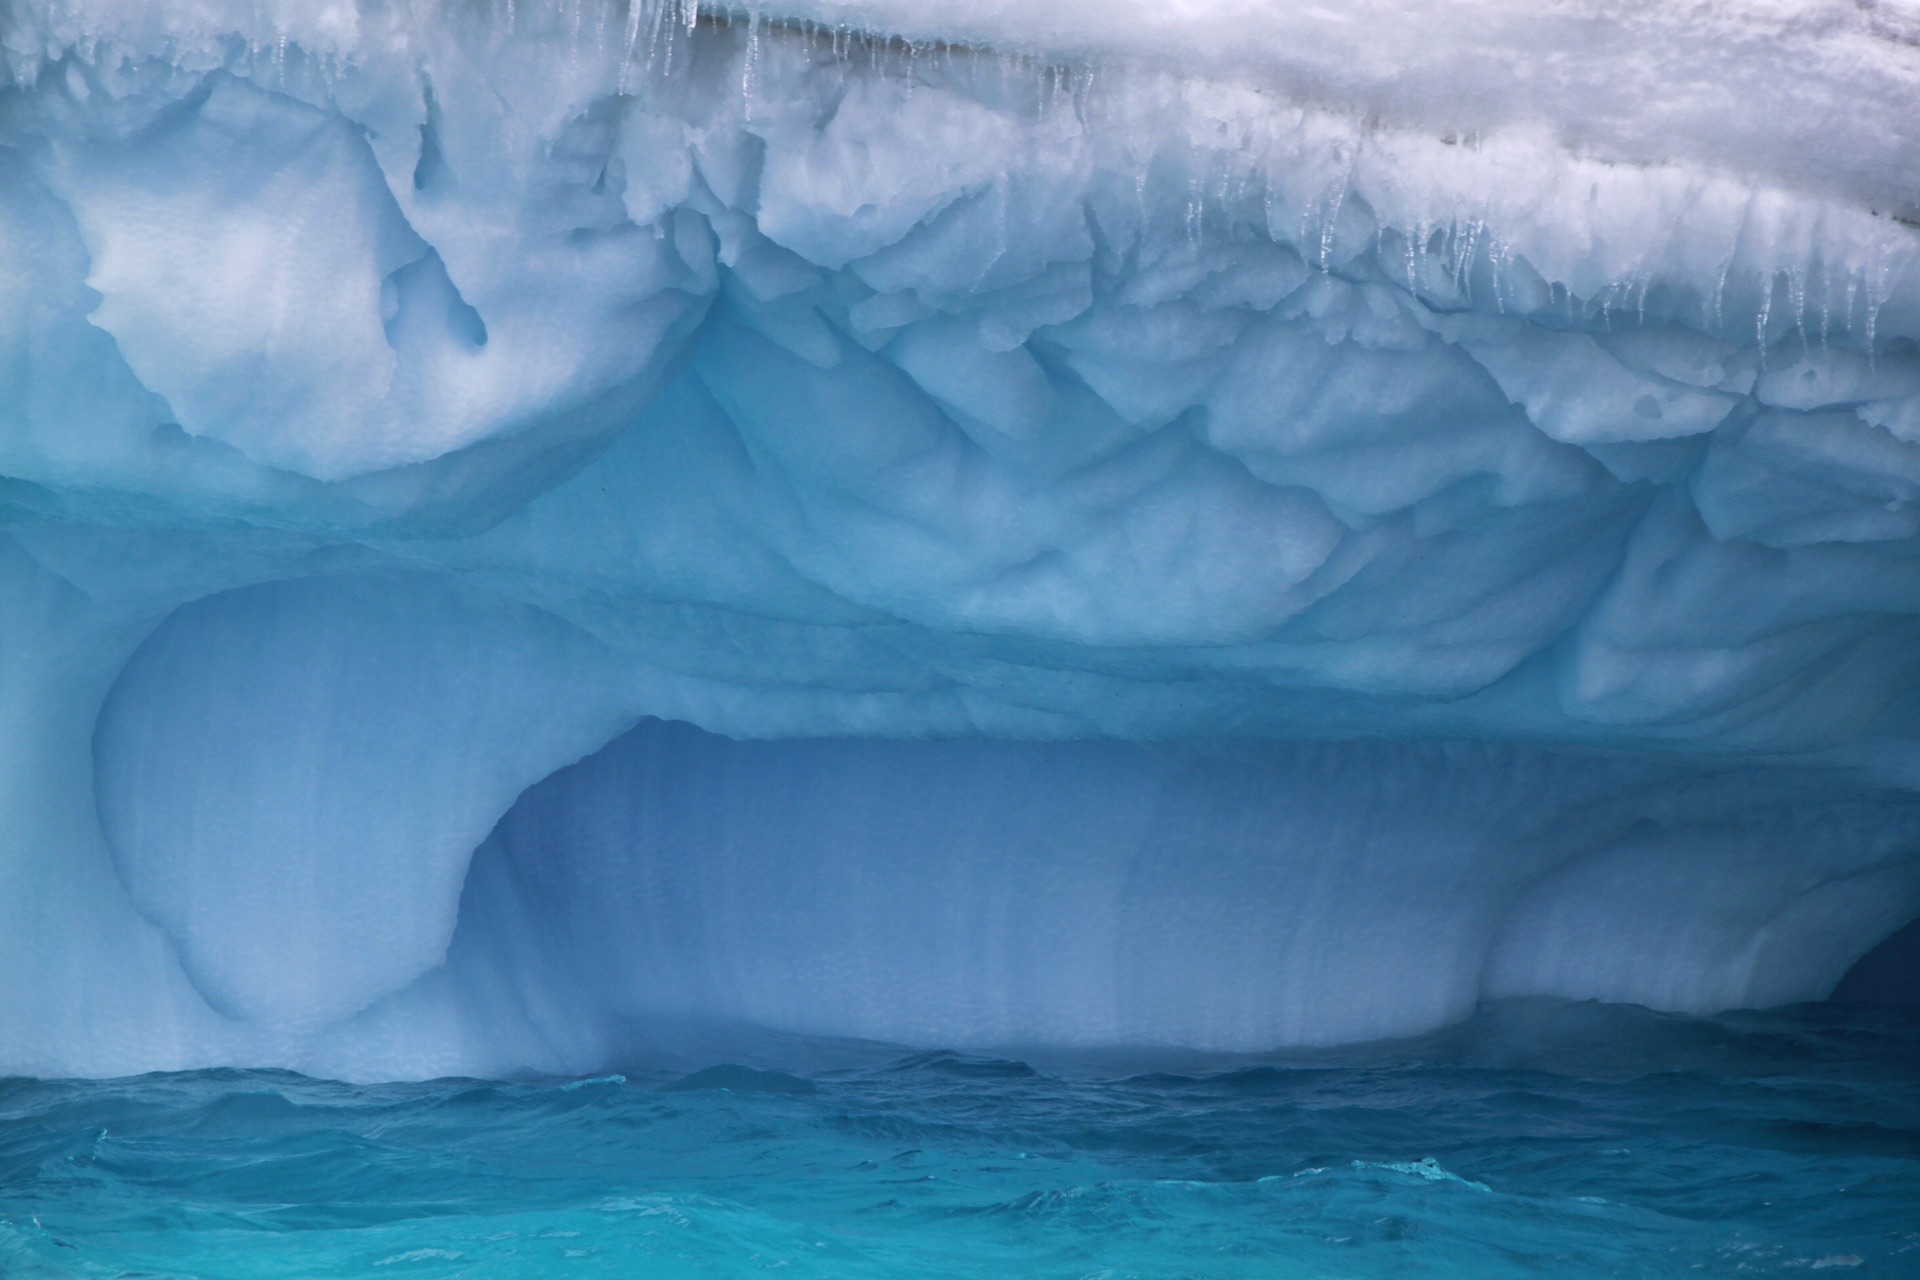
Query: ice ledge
{"points": [[1806, 94]]}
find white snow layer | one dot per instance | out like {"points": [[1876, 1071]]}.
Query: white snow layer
{"points": [[1214, 525]]}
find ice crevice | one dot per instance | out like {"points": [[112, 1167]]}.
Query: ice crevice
{"points": [[909, 521]]}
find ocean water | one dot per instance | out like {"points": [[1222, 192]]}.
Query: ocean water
{"points": [[1538, 1140]]}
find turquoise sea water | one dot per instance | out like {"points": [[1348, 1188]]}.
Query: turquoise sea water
{"points": [[1540, 1140]]}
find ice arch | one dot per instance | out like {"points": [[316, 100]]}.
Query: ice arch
{"points": [[996, 895], [1512, 494]]}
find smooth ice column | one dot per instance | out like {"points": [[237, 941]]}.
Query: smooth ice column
{"points": [[293, 776]]}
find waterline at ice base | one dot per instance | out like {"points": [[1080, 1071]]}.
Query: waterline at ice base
{"points": [[556, 539]]}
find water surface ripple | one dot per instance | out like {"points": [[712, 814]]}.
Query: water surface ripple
{"points": [[1541, 1139]]}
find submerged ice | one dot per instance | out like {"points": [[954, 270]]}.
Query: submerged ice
{"points": [[523, 523]]}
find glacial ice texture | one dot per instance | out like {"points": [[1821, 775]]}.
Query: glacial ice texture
{"points": [[523, 523]]}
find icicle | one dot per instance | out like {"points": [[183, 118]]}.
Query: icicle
{"points": [[669, 23], [1718, 306], [750, 63], [1762, 317], [1476, 231], [1826, 302], [634, 10], [1140, 194], [1267, 209], [1329, 226], [1876, 297], [1797, 295]]}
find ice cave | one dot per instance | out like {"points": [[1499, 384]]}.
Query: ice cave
{"points": [[1203, 525]]}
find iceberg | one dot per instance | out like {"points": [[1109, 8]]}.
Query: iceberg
{"points": [[1209, 525]]}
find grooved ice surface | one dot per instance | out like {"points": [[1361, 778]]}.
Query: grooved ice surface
{"points": [[1217, 528]]}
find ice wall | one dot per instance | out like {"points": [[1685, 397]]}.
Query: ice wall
{"points": [[1216, 528]]}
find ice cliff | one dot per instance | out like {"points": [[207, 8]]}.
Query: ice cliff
{"points": [[1218, 525]]}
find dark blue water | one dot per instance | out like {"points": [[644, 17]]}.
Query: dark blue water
{"points": [[1541, 1140]]}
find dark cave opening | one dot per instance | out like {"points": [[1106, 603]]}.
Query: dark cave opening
{"points": [[1888, 974]]}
